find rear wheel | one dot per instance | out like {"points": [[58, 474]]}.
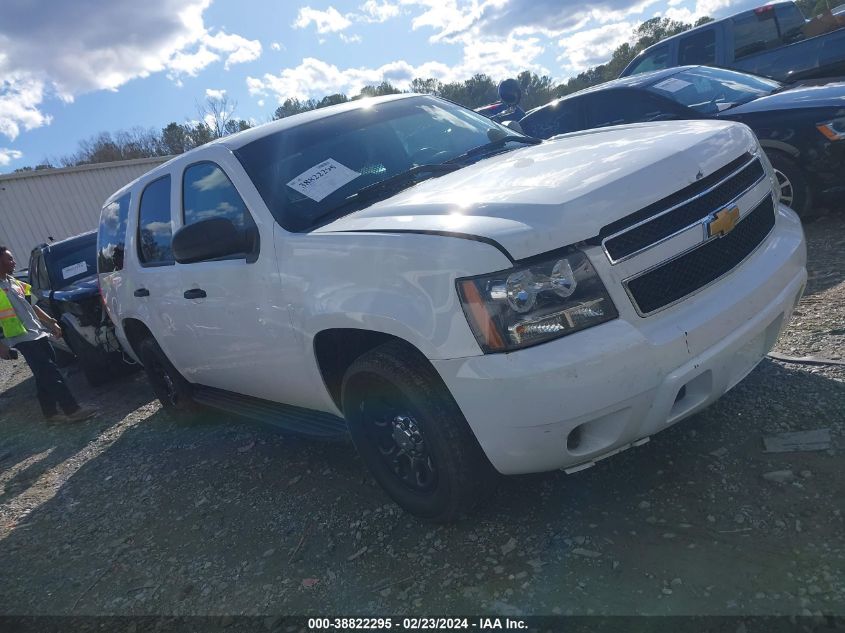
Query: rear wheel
{"points": [[172, 390], [412, 435], [794, 189]]}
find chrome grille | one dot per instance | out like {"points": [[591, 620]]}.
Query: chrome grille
{"points": [[691, 271], [660, 220]]}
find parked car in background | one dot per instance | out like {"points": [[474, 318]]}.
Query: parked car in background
{"points": [[63, 276], [774, 41], [462, 298], [801, 127]]}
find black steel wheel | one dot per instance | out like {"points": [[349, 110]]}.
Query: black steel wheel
{"points": [[412, 436]]}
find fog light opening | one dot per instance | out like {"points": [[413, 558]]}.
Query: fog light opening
{"points": [[681, 394], [573, 440]]}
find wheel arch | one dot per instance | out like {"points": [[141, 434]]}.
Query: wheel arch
{"points": [[780, 146], [136, 331], [336, 349]]}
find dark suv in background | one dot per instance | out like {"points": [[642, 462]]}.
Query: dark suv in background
{"points": [[64, 284]]}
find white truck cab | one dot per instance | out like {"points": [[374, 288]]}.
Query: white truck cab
{"points": [[462, 299]]}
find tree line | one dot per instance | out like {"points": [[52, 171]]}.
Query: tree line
{"points": [[216, 115]]}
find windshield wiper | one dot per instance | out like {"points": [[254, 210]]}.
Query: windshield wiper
{"points": [[393, 183], [487, 147]]}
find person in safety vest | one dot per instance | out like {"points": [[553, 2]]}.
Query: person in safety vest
{"points": [[28, 328]]}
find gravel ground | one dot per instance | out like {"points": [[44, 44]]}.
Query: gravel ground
{"points": [[138, 513]]}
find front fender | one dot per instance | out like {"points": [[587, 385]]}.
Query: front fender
{"points": [[397, 284]]}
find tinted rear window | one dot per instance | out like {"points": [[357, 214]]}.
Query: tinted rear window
{"points": [[698, 48], [155, 228], [72, 260], [755, 32], [111, 240]]}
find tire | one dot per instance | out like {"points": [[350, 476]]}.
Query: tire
{"points": [[412, 436], [795, 190], [171, 389]]}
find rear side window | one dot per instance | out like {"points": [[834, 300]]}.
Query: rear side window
{"points": [[656, 59], [698, 48], [155, 229], [111, 238], [754, 32]]}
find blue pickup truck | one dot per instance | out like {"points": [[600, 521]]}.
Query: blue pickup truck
{"points": [[774, 41]]}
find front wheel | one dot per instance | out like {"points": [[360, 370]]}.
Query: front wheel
{"points": [[172, 390], [412, 436], [794, 189]]}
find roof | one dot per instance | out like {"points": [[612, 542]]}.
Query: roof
{"points": [[234, 142], [640, 80], [79, 168], [709, 24]]}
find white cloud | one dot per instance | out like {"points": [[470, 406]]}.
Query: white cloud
{"points": [[261, 103], [317, 78], [214, 94], [591, 47], [374, 11], [20, 95], [8, 155], [328, 21], [64, 49], [350, 39], [277, 46]]}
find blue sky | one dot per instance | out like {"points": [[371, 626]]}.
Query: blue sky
{"points": [[69, 70]]}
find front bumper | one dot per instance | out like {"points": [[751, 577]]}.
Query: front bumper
{"points": [[569, 402]]}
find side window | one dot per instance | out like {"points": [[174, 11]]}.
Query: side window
{"points": [[616, 107], [42, 275], [111, 238], [791, 23], [656, 59], [155, 229], [208, 193], [698, 48], [754, 32]]}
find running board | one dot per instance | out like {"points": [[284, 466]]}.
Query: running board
{"points": [[301, 421]]}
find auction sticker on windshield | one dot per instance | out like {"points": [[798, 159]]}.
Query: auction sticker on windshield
{"points": [[672, 85], [323, 179]]}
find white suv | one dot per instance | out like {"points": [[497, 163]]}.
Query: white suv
{"points": [[459, 297]]}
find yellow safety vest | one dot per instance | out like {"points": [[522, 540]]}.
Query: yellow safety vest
{"points": [[12, 325]]}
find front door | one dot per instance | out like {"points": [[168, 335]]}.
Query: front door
{"points": [[229, 301]]}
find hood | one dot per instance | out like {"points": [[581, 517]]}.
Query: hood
{"points": [[538, 198], [830, 95], [78, 290]]}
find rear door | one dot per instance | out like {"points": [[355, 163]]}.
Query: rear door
{"points": [[155, 284]]}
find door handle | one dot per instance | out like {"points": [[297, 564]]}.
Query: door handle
{"points": [[195, 293], [142, 292]]}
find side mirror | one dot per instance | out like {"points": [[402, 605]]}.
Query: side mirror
{"points": [[208, 239], [514, 125]]}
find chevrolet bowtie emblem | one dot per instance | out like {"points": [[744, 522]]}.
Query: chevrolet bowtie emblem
{"points": [[722, 222]]}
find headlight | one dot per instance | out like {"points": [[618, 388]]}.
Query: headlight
{"points": [[833, 130], [535, 303]]}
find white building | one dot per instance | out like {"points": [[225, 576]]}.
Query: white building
{"points": [[52, 204]]}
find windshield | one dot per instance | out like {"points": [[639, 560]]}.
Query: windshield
{"points": [[306, 173], [72, 260], [711, 90]]}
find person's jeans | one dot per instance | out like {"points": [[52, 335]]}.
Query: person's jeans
{"points": [[49, 383]]}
